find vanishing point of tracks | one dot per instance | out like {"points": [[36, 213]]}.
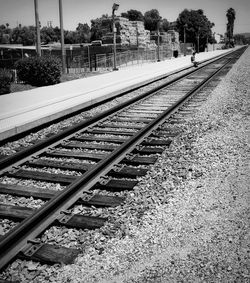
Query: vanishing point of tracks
{"points": [[105, 153]]}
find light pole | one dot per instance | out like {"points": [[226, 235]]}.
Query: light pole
{"points": [[185, 48], [114, 8]]}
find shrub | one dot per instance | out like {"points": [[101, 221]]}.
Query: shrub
{"points": [[39, 71], [175, 53], [5, 81]]}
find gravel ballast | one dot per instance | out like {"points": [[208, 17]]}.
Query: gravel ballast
{"points": [[188, 219]]}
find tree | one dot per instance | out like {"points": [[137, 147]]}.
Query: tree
{"points": [[100, 26], [2, 27], [5, 32], [57, 31], [70, 37], [197, 28], [151, 19], [23, 35], [2, 33], [241, 39], [133, 15], [230, 25], [83, 33], [48, 35], [164, 25], [4, 38]]}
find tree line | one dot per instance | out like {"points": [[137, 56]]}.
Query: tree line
{"points": [[190, 23], [26, 35]]}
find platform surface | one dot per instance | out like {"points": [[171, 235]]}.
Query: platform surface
{"points": [[23, 110]]}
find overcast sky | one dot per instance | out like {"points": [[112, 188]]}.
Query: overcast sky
{"points": [[17, 12]]}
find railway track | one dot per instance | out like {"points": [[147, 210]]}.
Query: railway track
{"points": [[107, 153]]}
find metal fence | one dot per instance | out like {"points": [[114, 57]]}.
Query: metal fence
{"points": [[101, 62], [87, 62]]}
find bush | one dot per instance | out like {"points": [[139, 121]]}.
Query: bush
{"points": [[5, 81], [39, 71], [175, 53]]}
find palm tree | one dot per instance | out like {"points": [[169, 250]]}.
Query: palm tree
{"points": [[230, 23]]}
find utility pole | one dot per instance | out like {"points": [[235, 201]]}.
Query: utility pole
{"points": [[137, 40], [38, 39], [62, 37], [114, 8], [185, 48], [158, 41], [198, 40], [213, 40]]}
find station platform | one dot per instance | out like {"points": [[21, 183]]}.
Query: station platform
{"points": [[23, 110]]}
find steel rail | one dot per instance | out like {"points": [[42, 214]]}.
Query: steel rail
{"points": [[14, 241]]}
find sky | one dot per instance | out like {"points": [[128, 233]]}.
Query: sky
{"points": [[22, 12]]}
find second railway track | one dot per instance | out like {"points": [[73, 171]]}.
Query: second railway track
{"points": [[108, 153]]}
